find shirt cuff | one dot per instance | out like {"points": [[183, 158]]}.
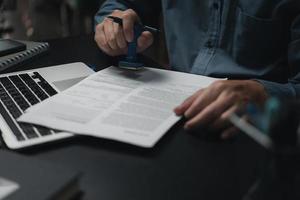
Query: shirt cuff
{"points": [[106, 9], [285, 90]]}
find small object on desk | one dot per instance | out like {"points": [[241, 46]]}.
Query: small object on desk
{"points": [[276, 128], [33, 49], [34, 179], [7, 187], [8, 46], [131, 61]]}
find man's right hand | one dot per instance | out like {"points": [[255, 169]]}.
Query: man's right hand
{"points": [[112, 38]]}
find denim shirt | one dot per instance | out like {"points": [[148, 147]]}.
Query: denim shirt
{"points": [[235, 39]]}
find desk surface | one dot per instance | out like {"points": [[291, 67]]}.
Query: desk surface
{"points": [[180, 166]]}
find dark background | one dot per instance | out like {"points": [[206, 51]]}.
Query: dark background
{"points": [[48, 19], [40, 20]]}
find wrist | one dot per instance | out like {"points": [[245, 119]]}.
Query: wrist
{"points": [[258, 92]]}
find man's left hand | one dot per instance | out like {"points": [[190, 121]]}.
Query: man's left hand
{"points": [[212, 106]]}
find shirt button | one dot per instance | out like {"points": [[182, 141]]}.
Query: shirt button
{"points": [[216, 6]]}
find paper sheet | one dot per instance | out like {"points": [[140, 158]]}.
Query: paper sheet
{"points": [[7, 187], [133, 107]]}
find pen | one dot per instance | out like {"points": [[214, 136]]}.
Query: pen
{"points": [[143, 27]]}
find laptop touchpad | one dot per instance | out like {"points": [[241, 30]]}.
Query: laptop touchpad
{"points": [[65, 84]]}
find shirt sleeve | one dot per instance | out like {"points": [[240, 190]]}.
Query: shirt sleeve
{"points": [[107, 8], [292, 87], [147, 10]]}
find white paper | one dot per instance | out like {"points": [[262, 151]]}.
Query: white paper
{"points": [[7, 187], [133, 107]]}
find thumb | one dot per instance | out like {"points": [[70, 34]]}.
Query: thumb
{"points": [[145, 41]]}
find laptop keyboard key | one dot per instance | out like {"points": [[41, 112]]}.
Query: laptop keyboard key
{"points": [[34, 86], [44, 84], [43, 130], [9, 104], [19, 92], [31, 98], [14, 93], [28, 130]]}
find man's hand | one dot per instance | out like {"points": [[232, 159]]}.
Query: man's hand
{"points": [[112, 38], [212, 106]]}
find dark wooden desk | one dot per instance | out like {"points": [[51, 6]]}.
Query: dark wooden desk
{"points": [[181, 166]]}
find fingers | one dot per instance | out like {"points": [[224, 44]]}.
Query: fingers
{"points": [[110, 34], [145, 41], [212, 107], [112, 38], [208, 96], [119, 35], [211, 112], [203, 100], [129, 18], [223, 121], [180, 110], [223, 126], [101, 40], [229, 133]]}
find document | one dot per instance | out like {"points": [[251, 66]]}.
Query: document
{"points": [[135, 107]]}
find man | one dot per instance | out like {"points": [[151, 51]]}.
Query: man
{"points": [[256, 44]]}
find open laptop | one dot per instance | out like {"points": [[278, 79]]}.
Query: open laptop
{"points": [[22, 89]]}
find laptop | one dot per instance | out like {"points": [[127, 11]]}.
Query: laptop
{"points": [[20, 90]]}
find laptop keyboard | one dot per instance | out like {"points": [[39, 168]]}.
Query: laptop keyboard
{"points": [[19, 92]]}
